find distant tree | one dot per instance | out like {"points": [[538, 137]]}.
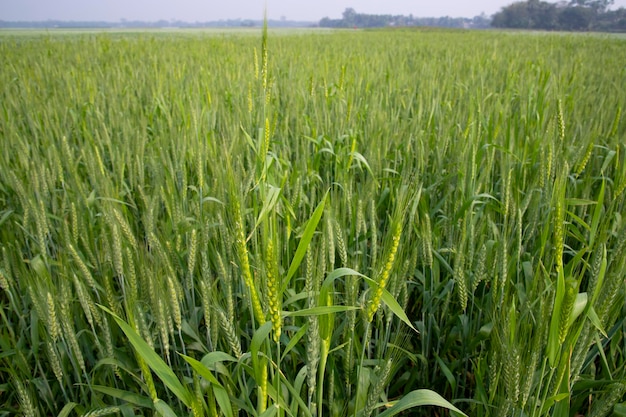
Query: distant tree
{"points": [[574, 15], [349, 16], [482, 21], [515, 16], [543, 15], [600, 6], [612, 21], [332, 23], [531, 14], [576, 18]]}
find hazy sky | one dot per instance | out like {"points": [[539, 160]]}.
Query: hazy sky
{"points": [[206, 10]]}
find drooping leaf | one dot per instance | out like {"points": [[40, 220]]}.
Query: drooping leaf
{"points": [[419, 398], [154, 361], [163, 409], [391, 302], [67, 409], [127, 396]]}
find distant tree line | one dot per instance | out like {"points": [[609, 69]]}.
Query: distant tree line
{"points": [[575, 15], [350, 18]]}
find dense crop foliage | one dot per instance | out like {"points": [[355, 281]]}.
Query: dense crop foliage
{"points": [[212, 224]]}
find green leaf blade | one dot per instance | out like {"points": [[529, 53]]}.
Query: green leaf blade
{"points": [[154, 361], [419, 398]]}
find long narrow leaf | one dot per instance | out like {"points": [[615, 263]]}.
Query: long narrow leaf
{"points": [[270, 201], [318, 311], [163, 409], [212, 357], [154, 361], [293, 341], [127, 396], [219, 391], [553, 335], [309, 230], [67, 409], [201, 369], [255, 345], [419, 398], [391, 302]]}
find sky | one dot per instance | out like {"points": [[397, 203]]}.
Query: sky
{"points": [[211, 10]]}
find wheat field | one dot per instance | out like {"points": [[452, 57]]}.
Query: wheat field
{"points": [[337, 223]]}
